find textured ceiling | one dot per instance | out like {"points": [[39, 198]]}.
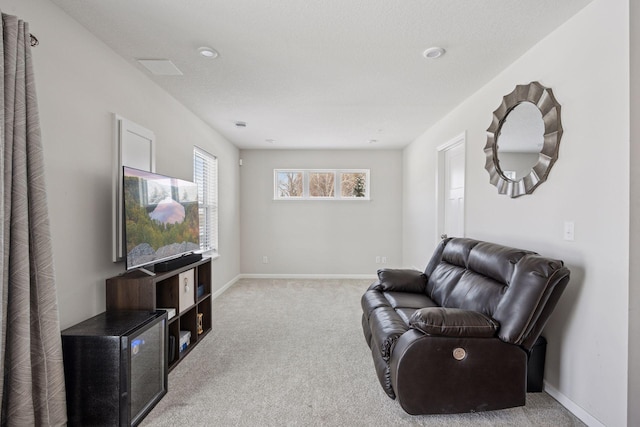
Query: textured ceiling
{"points": [[323, 73]]}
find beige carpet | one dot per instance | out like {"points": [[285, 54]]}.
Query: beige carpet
{"points": [[292, 353]]}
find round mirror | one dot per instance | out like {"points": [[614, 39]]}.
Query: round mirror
{"points": [[523, 139], [520, 141]]}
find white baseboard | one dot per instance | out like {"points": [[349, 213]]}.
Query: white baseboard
{"points": [[575, 409], [308, 276], [229, 284]]}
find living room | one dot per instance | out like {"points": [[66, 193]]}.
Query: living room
{"points": [[590, 61]]}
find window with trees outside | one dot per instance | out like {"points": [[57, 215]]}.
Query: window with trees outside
{"points": [[321, 184], [205, 174]]}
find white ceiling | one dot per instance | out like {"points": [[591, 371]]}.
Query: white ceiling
{"points": [[323, 73]]}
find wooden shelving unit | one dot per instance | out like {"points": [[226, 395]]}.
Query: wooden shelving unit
{"points": [[186, 289]]}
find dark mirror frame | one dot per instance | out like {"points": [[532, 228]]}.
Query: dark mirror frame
{"points": [[542, 97]]}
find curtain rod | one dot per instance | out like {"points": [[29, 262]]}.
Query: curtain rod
{"points": [[34, 40]]}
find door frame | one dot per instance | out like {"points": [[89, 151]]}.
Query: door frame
{"points": [[460, 140], [133, 146]]}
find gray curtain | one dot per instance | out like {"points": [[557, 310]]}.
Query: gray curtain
{"points": [[32, 384]]}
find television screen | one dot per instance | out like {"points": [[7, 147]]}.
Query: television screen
{"points": [[160, 217]]}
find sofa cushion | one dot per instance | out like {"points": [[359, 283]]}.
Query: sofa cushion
{"points": [[386, 327], [457, 251], [442, 281], [383, 372], [453, 322], [371, 300], [401, 280], [475, 292], [366, 329], [495, 261], [407, 300]]}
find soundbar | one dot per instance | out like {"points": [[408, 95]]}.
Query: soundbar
{"points": [[172, 264]]}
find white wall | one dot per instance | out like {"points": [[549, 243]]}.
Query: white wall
{"points": [[80, 82], [320, 237], [634, 232], [586, 63]]}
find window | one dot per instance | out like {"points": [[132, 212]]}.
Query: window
{"points": [[322, 184], [288, 184], [325, 184], [354, 184], [205, 174]]}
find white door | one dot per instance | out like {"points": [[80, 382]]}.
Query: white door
{"points": [[451, 167]]}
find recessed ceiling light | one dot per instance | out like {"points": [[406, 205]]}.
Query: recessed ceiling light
{"points": [[373, 141], [270, 141], [208, 52], [433, 52]]}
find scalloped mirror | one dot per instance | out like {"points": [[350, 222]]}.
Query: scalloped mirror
{"points": [[523, 139]]}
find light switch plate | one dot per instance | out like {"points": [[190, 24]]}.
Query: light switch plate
{"points": [[569, 231]]}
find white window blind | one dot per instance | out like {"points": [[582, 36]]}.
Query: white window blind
{"points": [[205, 174]]}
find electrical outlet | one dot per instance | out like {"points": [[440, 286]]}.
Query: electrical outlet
{"points": [[384, 259], [378, 260], [265, 259]]}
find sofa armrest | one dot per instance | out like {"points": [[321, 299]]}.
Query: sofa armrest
{"points": [[453, 322], [427, 379], [401, 280]]}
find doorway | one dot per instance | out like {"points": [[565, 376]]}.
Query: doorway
{"points": [[450, 188]]}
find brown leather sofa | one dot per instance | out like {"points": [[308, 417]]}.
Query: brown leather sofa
{"points": [[456, 338]]}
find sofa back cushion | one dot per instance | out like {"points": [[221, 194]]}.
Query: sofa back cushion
{"points": [[506, 284]]}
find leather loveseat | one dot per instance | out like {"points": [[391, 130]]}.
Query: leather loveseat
{"points": [[456, 338]]}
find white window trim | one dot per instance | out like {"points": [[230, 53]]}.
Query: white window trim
{"points": [[337, 182], [212, 206]]}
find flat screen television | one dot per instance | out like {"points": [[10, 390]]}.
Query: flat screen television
{"points": [[160, 217]]}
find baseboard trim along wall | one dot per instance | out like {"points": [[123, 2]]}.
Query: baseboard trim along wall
{"points": [[229, 284], [576, 410]]}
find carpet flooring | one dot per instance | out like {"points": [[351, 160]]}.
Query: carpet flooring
{"points": [[292, 353]]}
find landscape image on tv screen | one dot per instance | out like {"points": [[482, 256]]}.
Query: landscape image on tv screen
{"points": [[160, 215]]}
